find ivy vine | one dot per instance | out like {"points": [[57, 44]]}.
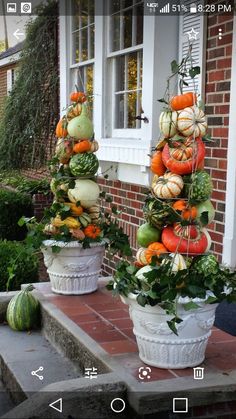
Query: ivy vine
{"points": [[31, 109]]}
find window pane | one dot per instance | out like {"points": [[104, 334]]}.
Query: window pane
{"points": [[75, 11], [132, 98], [115, 32], [132, 71], [127, 3], [119, 114], [114, 6], [84, 43], [75, 47], [120, 73], [139, 39], [128, 28], [91, 42]]}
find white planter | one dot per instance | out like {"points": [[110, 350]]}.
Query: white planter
{"points": [[159, 346], [73, 270]]}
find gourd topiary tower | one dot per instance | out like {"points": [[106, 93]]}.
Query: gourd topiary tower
{"points": [[74, 228], [178, 208]]}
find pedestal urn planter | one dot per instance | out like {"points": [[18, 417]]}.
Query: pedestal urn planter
{"points": [[73, 270], [159, 346]]}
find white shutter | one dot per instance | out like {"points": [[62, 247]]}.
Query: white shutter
{"points": [[187, 22], [9, 81]]}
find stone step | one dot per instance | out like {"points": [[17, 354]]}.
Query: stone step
{"points": [[21, 353], [6, 403]]}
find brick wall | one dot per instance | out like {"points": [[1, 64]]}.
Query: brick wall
{"points": [[3, 82], [218, 73]]}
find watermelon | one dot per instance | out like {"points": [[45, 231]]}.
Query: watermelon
{"points": [[84, 164], [23, 311]]}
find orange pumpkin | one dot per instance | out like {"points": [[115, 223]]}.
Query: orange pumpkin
{"points": [[78, 97], [157, 165], [92, 231], [187, 212], [82, 146], [154, 249], [61, 130], [183, 101]]}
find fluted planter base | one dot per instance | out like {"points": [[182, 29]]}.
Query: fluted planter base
{"points": [[159, 346], [74, 270]]}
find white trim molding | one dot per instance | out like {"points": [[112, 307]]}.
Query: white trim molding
{"points": [[229, 242], [12, 59]]}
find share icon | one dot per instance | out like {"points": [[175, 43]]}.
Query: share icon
{"points": [[40, 377]]}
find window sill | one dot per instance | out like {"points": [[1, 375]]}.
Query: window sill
{"points": [[129, 151]]}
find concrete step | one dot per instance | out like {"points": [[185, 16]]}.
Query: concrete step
{"points": [[6, 403], [21, 353]]}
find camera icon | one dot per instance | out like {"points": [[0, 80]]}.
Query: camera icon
{"points": [[26, 7]]}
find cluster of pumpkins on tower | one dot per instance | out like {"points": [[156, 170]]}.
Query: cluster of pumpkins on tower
{"points": [[178, 208], [73, 175]]}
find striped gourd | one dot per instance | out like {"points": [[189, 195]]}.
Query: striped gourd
{"points": [[23, 312], [168, 123], [168, 186], [192, 121]]}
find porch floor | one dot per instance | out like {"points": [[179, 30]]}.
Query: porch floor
{"points": [[106, 320]]}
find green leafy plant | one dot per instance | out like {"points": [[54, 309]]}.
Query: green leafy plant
{"points": [[18, 265], [13, 205], [162, 286]]}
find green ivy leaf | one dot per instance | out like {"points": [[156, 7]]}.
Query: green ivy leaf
{"points": [[190, 306], [194, 71], [174, 66]]}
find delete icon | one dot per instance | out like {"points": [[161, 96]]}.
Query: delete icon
{"points": [[180, 405]]}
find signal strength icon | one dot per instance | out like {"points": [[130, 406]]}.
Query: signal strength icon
{"points": [[165, 9]]}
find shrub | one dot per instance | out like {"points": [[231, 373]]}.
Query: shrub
{"points": [[18, 262], [16, 180], [13, 205]]}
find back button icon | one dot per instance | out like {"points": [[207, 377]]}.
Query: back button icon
{"points": [[57, 405]]}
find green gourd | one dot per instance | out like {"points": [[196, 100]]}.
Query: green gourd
{"points": [[81, 126], [23, 311]]}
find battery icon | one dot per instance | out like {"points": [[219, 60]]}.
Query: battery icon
{"points": [[193, 8]]}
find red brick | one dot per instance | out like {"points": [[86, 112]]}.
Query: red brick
{"points": [[228, 50], [214, 98], [218, 174], [224, 63], [216, 75], [226, 97], [222, 164], [224, 18], [210, 87], [220, 132], [220, 196], [222, 109], [226, 39], [217, 52]]}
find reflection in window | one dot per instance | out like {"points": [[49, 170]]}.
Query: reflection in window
{"points": [[128, 90], [82, 30]]}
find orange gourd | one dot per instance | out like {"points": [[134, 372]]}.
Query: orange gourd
{"points": [[92, 231], [154, 249], [179, 205], [82, 146], [187, 212], [183, 101], [61, 131], [157, 165], [78, 97], [76, 210]]}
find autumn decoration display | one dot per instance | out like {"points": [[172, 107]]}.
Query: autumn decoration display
{"points": [[175, 282]]}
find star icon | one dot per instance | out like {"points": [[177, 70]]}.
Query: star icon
{"points": [[192, 34]]}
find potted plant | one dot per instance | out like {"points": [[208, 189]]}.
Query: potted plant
{"points": [[76, 230], [175, 283]]}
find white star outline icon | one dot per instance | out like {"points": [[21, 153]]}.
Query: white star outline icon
{"points": [[192, 34]]}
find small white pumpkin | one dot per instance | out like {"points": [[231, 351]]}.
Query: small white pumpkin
{"points": [[140, 256], [192, 121], [168, 123], [168, 186]]}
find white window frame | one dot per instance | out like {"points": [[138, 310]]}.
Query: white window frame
{"points": [[128, 154]]}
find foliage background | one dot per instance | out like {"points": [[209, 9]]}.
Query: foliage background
{"points": [[31, 110]]}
